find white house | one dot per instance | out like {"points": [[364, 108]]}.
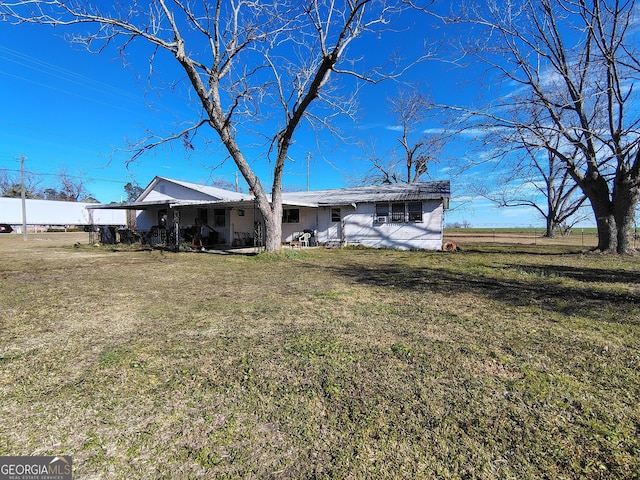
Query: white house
{"points": [[44, 213], [404, 216]]}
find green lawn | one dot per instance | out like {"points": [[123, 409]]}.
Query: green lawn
{"points": [[354, 363]]}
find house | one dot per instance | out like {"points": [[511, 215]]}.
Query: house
{"points": [[403, 216], [41, 214]]}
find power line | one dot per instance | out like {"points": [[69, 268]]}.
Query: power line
{"points": [[81, 177], [67, 92], [125, 97], [68, 76]]}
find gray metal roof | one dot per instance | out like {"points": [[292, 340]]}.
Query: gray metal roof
{"points": [[396, 192]]}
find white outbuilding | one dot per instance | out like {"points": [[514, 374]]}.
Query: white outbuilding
{"points": [[41, 214]]}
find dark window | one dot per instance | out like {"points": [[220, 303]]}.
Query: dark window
{"points": [[415, 211], [397, 212], [291, 215], [162, 217], [203, 215], [335, 215], [382, 212], [220, 217]]}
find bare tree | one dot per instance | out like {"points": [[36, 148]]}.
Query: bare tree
{"points": [[408, 162], [534, 176], [10, 185], [577, 62], [542, 183], [250, 63], [73, 187]]}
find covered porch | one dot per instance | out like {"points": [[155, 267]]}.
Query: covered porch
{"points": [[221, 226]]}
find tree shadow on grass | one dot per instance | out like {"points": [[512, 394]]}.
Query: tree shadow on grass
{"points": [[587, 275], [544, 290]]}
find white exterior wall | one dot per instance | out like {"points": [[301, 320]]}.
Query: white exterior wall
{"points": [[145, 219], [307, 222], [329, 231], [242, 226], [50, 212], [358, 228], [170, 191]]}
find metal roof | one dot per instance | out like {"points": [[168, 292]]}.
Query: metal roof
{"points": [[397, 192], [131, 205], [377, 193]]}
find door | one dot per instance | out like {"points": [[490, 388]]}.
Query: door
{"points": [[334, 232]]}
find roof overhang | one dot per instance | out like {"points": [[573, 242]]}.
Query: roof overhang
{"points": [[219, 203], [131, 205]]}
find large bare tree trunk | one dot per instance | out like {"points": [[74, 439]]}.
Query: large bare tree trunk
{"points": [[551, 228], [273, 229], [625, 201], [607, 233], [614, 211]]}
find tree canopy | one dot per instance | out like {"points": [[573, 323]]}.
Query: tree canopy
{"points": [[255, 69], [571, 66]]}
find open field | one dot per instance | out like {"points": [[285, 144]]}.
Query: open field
{"points": [[518, 361], [585, 238]]}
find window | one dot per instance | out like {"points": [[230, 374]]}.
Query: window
{"points": [[382, 212], [335, 215], [414, 210], [291, 215], [219, 217], [202, 214], [163, 217], [397, 212]]}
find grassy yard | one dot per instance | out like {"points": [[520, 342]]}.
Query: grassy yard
{"points": [[514, 362]]}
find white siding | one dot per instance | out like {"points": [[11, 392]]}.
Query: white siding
{"points": [[49, 212], [307, 222], [359, 228], [146, 219], [242, 226], [329, 231], [170, 191], [356, 228]]}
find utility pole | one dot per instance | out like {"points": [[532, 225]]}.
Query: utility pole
{"points": [[308, 168], [23, 195]]}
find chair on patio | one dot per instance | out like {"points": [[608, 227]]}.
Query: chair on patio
{"points": [[304, 239]]}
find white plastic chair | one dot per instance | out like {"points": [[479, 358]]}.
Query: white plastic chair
{"points": [[304, 239]]}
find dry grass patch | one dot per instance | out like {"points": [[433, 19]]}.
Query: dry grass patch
{"points": [[321, 364]]}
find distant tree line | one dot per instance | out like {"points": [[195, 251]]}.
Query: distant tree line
{"points": [[66, 188]]}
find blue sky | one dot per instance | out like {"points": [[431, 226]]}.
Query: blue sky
{"points": [[65, 108]]}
